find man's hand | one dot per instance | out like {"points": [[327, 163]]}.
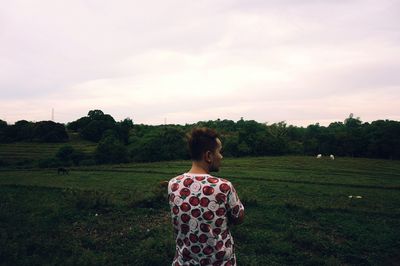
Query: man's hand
{"points": [[235, 221], [163, 184]]}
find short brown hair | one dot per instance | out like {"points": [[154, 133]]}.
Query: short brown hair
{"points": [[201, 140]]}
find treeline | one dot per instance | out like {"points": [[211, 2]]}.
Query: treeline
{"points": [[379, 139], [43, 131], [125, 141]]}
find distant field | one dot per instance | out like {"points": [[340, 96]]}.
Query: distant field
{"points": [[298, 212], [22, 152]]}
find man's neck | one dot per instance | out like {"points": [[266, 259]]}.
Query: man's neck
{"points": [[199, 168]]}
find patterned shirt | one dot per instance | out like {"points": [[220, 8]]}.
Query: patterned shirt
{"points": [[201, 205]]}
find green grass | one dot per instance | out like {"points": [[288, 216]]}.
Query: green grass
{"points": [[297, 213]]}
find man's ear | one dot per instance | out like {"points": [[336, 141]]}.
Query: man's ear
{"points": [[208, 156]]}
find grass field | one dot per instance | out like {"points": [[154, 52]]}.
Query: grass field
{"points": [[26, 153], [298, 212]]}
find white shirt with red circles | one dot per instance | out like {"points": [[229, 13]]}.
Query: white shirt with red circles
{"points": [[200, 206]]}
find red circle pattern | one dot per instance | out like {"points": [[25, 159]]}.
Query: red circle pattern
{"points": [[199, 207]]}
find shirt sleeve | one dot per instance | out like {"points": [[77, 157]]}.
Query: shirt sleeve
{"points": [[169, 186], [235, 207]]}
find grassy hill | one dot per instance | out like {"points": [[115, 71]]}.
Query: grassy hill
{"points": [[298, 212], [25, 153]]}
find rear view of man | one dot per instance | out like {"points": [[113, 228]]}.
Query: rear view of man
{"points": [[203, 207]]}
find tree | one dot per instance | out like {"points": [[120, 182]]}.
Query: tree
{"points": [[312, 139], [3, 124], [111, 150], [166, 143], [251, 137], [124, 127], [92, 126], [23, 130], [353, 143], [230, 143], [49, 131], [173, 144], [79, 124], [276, 140], [243, 149], [383, 139], [95, 114], [95, 129], [3, 129]]}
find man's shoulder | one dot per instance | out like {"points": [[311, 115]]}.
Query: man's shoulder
{"points": [[178, 177], [200, 177], [221, 179], [175, 179]]}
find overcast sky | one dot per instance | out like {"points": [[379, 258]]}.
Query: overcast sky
{"points": [[184, 61]]}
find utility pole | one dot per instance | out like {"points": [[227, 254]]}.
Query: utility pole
{"points": [[52, 114]]}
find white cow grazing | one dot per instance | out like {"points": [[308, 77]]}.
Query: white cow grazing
{"points": [[332, 157], [319, 156]]}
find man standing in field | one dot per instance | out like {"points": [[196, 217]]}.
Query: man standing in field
{"points": [[203, 207]]}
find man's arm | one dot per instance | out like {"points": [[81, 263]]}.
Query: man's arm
{"points": [[235, 208]]}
